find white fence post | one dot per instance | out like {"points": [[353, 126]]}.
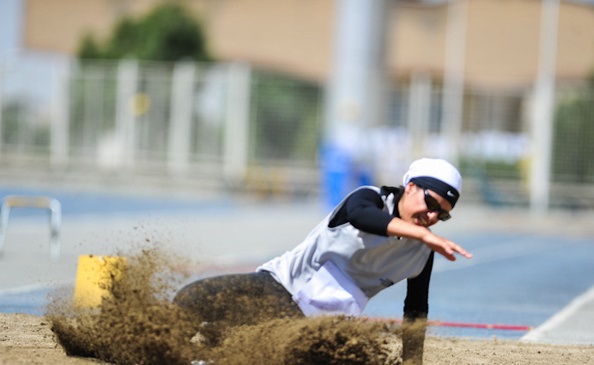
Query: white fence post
{"points": [[59, 136], [235, 157], [180, 126], [125, 128], [419, 113], [542, 111]]}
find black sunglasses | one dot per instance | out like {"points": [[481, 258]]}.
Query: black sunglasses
{"points": [[434, 206]]}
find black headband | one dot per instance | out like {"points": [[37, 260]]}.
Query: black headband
{"points": [[445, 190]]}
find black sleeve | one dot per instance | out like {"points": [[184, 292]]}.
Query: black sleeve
{"points": [[416, 304], [364, 210]]}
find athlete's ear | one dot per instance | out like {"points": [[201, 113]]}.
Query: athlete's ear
{"points": [[410, 188]]}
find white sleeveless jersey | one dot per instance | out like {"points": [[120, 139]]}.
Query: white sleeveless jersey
{"points": [[373, 262]]}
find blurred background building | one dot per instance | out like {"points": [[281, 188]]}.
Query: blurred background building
{"points": [[307, 97]]}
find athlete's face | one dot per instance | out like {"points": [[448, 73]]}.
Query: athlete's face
{"points": [[413, 207]]}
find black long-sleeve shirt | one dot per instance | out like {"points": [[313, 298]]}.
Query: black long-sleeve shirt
{"points": [[364, 211]]}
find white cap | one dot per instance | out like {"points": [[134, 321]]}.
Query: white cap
{"points": [[426, 171]]}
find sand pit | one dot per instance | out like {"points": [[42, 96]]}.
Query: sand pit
{"points": [[27, 339], [137, 324]]}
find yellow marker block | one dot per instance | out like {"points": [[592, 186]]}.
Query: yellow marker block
{"points": [[94, 277]]}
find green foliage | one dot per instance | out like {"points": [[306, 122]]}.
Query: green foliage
{"points": [[168, 33], [89, 48], [573, 150]]}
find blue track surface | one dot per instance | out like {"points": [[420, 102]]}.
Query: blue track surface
{"points": [[33, 301], [513, 280]]}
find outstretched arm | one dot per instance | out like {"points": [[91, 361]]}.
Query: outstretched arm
{"points": [[441, 245]]}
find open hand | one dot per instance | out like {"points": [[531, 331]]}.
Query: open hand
{"points": [[445, 247]]}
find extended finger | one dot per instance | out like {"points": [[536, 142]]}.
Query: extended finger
{"points": [[462, 251], [448, 253]]}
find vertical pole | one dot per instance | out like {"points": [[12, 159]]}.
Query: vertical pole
{"points": [[419, 112], [543, 106], [353, 92], [180, 125], [59, 139], [125, 129], [235, 158], [357, 64], [453, 88]]}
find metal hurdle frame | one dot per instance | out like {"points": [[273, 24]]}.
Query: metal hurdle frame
{"points": [[43, 202]]}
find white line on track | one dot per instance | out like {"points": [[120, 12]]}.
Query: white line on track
{"points": [[540, 332]]}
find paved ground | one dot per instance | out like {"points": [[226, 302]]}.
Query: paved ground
{"points": [[529, 270]]}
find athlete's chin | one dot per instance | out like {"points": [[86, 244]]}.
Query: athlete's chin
{"points": [[420, 222]]}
